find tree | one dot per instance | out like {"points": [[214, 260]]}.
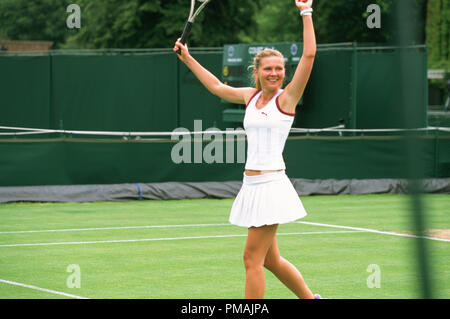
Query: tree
{"points": [[335, 21], [158, 23], [33, 20], [111, 24], [438, 33], [125, 23]]}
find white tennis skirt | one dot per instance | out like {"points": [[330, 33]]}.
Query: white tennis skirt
{"points": [[266, 199]]}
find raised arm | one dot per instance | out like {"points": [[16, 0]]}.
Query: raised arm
{"points": [[294, 90], [210, 81]]}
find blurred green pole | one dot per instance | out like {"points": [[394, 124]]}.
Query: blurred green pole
{"points": [[354, 87], [406, 33]]}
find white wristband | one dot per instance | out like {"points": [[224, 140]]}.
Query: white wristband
{"points": [[306, 12]]}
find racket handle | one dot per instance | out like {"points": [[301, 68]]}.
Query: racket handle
{"points": [[185, 35]]}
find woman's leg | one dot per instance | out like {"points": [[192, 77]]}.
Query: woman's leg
{"points": [[258, 243], [286, 272]]}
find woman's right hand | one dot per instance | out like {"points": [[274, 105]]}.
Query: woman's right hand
{"points": [[184, 52], [209, 80]]}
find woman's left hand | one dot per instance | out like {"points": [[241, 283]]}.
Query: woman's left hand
{"points": [[303, 4]]}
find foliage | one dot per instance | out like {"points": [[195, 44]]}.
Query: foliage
{"points": [[33, 20], [158, 23], [335, 21], [125, 23], [438, 33]]}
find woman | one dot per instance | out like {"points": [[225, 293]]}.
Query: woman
{"points": [[267, 197]]}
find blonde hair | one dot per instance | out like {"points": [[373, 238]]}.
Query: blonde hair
{"points": [[257, 62]]}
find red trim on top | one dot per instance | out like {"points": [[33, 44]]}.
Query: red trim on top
{"points": [[252, 98], [279, 108]]}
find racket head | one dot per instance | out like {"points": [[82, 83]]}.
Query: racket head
{"points": [[192, 16], [199, 9], [191, 11]]}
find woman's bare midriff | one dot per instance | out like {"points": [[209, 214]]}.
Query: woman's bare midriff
{"points": [[249, 172]]}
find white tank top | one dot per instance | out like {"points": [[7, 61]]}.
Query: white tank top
{"points": [[267, 130]]}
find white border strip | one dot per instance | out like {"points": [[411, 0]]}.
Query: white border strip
{"points": [[41, 289], [165, 239]]}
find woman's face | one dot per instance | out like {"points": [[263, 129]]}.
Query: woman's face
{"points": [[271, 72]]}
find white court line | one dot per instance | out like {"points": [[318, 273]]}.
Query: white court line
{"points": [[165, 239], [368, 230], [213, 225], [42, 289], [108, 228]]}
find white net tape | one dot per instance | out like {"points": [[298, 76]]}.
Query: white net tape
{"points": [[18, 131]]}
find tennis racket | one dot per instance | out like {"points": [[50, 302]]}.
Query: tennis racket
{"points": [[191, 19]]}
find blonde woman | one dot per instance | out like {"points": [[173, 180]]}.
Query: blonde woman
{"points": [[267, 197]]}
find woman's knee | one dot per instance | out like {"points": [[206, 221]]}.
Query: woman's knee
{"points": [[271, 263], [252, 259], [248, 259], [259, 241]]}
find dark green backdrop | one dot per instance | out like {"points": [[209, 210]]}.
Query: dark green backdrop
{"points": [[68, 161], [155, 92], [358, 86]]}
